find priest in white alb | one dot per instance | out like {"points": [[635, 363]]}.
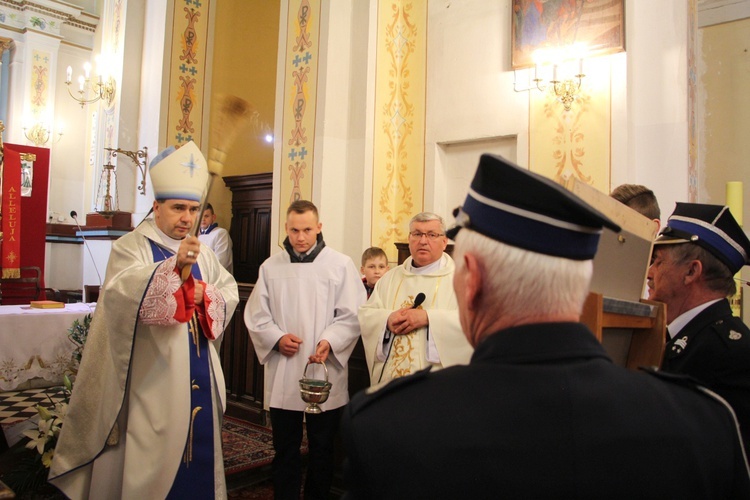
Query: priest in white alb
{"points": [[145, 415], [411, 320]]}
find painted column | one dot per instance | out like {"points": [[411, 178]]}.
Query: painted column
{"points": [[300, 88]]}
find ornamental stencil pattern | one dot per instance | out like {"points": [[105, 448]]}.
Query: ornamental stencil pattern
{"points": [[300, 84], [186, 94], [569, 152], [398, 175], [39, 84], [574, 143], [188, 70]]}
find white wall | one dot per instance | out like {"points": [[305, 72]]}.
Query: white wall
{"points": [[657, 126], [472, 106], [71, 182], [63, 266], [338, 184]]}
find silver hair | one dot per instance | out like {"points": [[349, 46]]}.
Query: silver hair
{"points": [[520, 283], [427, 217]]}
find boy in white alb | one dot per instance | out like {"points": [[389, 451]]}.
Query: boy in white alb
{"points": [[216, 238]]}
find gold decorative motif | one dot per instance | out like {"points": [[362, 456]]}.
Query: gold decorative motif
{"points": [[399, 149], [409, 302], [188, 456], [403, 346], [569, 140], [114, 435], [402, 355], [195, 332], [574, 144]]}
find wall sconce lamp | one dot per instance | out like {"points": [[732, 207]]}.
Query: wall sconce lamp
{"points": [[40, 134], [100, 88], [566, 90], [136, 156], [567, 73]]}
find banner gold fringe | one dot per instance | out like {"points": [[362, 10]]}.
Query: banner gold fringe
{"points": [[11, 273]]}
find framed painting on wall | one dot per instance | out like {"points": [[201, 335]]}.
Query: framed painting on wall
{"points": [[599, 25]]}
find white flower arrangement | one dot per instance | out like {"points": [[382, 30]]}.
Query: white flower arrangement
{"points": [[30, 474], [44, 437]]}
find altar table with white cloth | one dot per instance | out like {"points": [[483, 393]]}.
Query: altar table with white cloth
{"points": [[35, 350]]}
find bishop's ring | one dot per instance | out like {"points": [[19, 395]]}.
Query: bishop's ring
{"points": [[191, 254]]}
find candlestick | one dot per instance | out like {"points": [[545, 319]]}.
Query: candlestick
{"points": [[734, 200]]}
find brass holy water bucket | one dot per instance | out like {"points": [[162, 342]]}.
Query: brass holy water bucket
{"points": [[314, 391]]}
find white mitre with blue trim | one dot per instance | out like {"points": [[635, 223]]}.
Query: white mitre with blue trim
{"points": [[179, 173]]}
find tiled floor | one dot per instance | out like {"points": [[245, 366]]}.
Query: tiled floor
{"points": [[21, 405]]}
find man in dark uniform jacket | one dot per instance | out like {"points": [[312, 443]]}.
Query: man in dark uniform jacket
{"points": [[541, 411], [695, 260]]}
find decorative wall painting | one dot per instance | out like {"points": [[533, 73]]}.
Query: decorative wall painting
{"points": [[552, 24]]}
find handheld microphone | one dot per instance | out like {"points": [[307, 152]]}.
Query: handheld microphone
{"points": [[74, 216], [417, 302]]}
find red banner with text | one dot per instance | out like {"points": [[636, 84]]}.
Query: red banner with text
{"points": [[11, 211]]}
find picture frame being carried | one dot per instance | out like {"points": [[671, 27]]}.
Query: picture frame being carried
{"points": [[599, 25]]}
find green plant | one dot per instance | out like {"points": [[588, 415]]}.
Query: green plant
{"points": [[78, 333]]}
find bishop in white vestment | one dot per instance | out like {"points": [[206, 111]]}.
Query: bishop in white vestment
{"points": [[145, 415]]}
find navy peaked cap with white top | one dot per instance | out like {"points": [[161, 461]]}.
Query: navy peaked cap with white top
{"points": [[712, 227], [526, 210]]}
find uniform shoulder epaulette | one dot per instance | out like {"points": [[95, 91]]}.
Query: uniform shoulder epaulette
{"points": [[377, 391], [731, 329], [686, 381], [692, 383], [675, 378]]}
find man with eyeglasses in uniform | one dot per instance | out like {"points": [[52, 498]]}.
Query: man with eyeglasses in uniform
{"points": [[411, 320]]}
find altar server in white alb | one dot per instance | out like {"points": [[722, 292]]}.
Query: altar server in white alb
{"points": [[304, 309], [145, 414], [216, 238], [411, 320]]}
